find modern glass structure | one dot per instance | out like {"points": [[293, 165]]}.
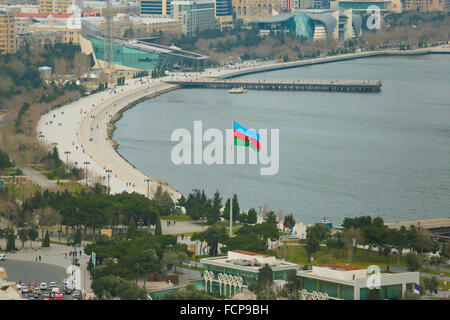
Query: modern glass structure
{"points": [[127, 56], [315, 24]]}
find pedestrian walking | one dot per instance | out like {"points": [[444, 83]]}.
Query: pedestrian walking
{"points": [[39, 258]]}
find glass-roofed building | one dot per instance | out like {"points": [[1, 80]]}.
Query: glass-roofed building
{"points": [[135, 54]]}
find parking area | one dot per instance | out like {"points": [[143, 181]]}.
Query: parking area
{"points": [[39, 281]]}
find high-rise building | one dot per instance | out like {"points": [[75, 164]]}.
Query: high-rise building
{"points": [[255, 10], [424, 5], [54, 6], [194, 15], [8, 43], [155, 8]]}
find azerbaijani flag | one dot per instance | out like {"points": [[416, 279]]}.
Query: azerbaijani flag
{"points": [[245, 137]]}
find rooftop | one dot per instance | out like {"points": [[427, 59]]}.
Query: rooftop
{"points": [[249, 261]]}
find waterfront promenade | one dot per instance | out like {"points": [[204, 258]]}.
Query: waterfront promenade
{"points": [[81, 127]]}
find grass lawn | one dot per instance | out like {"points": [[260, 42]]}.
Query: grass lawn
{"points": [[177, 217], [436, 272], [297, 254], [72, 187]]}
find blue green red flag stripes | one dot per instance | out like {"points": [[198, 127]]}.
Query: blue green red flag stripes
{"points": [[245, 137]]}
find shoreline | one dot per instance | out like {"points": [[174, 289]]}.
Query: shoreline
{"points": [[123, 167]]}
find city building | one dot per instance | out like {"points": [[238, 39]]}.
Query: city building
{"points": [[386, 6], [254, 10], [38, 39], [68, 34], [8, 43], [231, 274], [290, 5], [425, 5], [348, 283], [194, 15], [224, 14], [315, 24], [140, 26], [54, 6], [155, 8]]}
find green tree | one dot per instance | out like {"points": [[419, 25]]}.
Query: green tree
{"points": [[10, 243], [263, 288], [32, 235], [431, 284], [413, 262], [4, 160], [158, 228], [213, 236], [46, 241], [293, 286], [131, 228], [77, 237], [23, 235], [188, 293], [252, 216], [437, 261], [214, 213], [270, 217]]}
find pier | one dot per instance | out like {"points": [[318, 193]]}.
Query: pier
{"points": [[364, 86]]}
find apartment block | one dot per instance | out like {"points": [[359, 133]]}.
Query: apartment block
{"points": [[8, 43]]}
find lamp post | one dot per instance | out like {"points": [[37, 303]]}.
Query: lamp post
{"points": [[148, 187], [67, 159], [41, 136], [109, 177], [86, 163]]}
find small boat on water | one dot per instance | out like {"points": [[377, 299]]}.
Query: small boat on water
{"points": [[237, 90]]}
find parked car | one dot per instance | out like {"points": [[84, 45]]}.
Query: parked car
{"points": [[55, 290], [52, 284], [24, 288], [37, 290], [32, 286], [58, 296], [2, 257], [31, 296], [46, 296], [43, 285], [36, 294]]}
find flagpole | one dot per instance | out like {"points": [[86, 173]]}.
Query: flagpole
{"points": [[231, 189]]}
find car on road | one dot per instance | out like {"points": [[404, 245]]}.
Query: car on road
{"points": [[76, 295], [31, 296], [36, 294], [37, 290], [67, 290], [46, 296], [58, 296], [52, 284], [2, 257], [43, 286]]}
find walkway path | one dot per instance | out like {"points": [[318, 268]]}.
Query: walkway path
{"points": [[81, 127]]}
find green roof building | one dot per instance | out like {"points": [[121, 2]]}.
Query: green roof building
{"points": [[229, 275]]}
